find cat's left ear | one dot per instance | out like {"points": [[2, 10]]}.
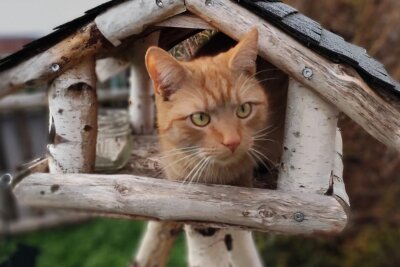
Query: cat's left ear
{"points": [[244, 55], [165, 71]]}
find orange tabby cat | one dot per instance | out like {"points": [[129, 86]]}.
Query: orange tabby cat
{"points": [[214, 117]]}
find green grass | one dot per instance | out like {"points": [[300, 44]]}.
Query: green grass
{"points": [[98, 243]]}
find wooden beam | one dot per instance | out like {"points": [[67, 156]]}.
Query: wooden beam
{"points": [[339, 84], [185, 20], [132, 17], [44, 67], [128, 195]]}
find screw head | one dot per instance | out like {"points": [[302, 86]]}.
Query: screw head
{"points": [[55, 67], [159, 3], [209, 2], [298, 216], [6, 179], [307, 73]]}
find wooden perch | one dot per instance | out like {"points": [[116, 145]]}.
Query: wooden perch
{"points": [[257, 209], [337, 83]]}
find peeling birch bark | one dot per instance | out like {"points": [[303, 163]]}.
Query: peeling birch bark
{"points": [[206, 246], [73, 120], [141, 104], [156, 244], [337, 182]]}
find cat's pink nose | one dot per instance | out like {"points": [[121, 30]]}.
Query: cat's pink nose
{"points": [[232, 144]]}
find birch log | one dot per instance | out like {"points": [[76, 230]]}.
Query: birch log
{"points": [[73, 119], [128, 195], [242, 249], [206, 246], [141, 104], [309, 141], [310, 145], [156, 244], [131, 17], [339, 84]]}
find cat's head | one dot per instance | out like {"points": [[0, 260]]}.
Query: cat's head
{"points": [[212, 104]]}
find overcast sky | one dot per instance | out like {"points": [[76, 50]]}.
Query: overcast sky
{"points": [[35, 18]]}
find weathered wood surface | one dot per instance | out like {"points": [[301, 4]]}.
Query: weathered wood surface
{"points": [[156, 244], [339, 84], [53, 62], [39, 99], [132, 17], [257, 209], [185, 20], [73, 119]]}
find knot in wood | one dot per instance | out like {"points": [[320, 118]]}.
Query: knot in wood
{"points": [[264, 213], [123, 190]]}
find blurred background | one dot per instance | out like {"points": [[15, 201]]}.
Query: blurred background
{"points": [[372, 171]]}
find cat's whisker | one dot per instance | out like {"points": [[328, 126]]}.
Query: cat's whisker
{"points": [[260, 160], [198, 173], [176, 153], [266, 129], [179, 149], [192, 170], [259, 81], [262, 155], [264, 139], [181, 159], [250, 77]]}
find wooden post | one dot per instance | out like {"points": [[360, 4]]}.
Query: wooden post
{"points": [[310, 142], [141, 104], [73, 119], [156, 244]]}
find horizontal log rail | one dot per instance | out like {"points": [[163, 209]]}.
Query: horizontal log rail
{"points": [[128, 195]]}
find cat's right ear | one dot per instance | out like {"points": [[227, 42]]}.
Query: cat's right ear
{"points": [[165, 71]]}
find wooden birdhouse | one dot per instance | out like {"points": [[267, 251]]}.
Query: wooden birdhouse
{"points": [[326, 74]]}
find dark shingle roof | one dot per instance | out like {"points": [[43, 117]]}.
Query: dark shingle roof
{"points": [[302, 28], [330, 45]]}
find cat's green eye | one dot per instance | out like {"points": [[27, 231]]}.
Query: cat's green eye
{"points": [[244, 110], [200, 119]]}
